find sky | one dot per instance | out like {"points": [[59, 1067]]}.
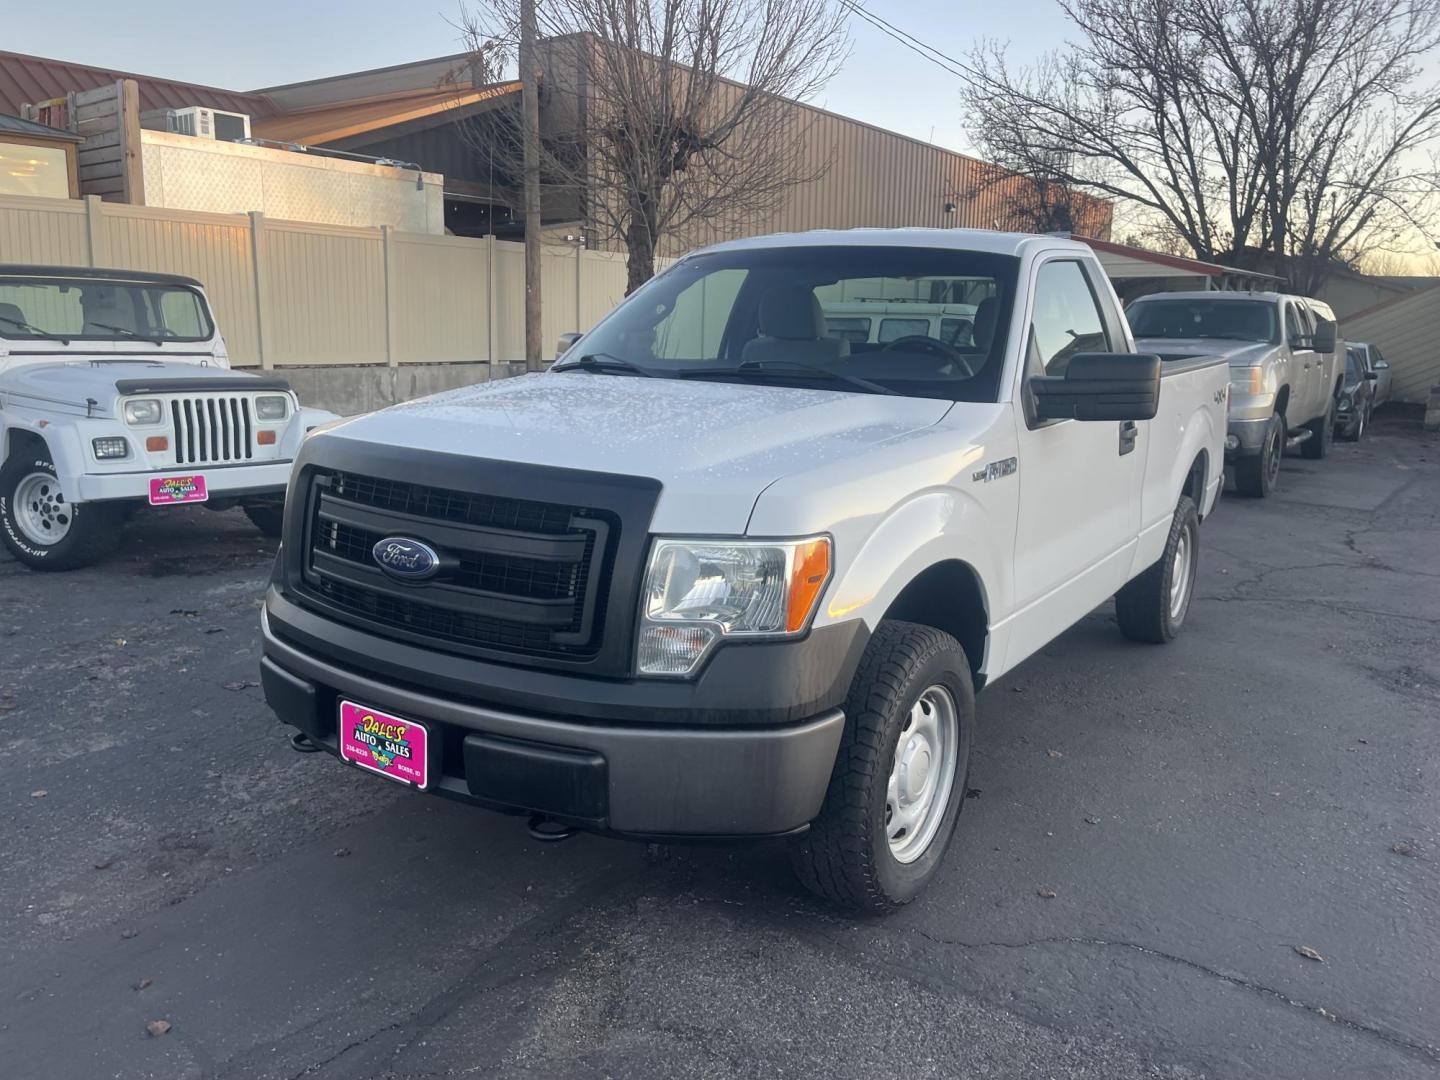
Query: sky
{"points": [[265, 42]]}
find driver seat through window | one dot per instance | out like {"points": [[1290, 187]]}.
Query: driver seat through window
{"points": [[792, 327]]}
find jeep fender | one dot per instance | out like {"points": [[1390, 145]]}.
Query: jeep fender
{"points": [[61, 439]]}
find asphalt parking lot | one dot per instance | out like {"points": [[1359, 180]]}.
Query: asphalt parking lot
{"points": [[1200, 811]]}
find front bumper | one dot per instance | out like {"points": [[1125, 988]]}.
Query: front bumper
{"points": [[269, 478], [1245, 438], [640, 779]]}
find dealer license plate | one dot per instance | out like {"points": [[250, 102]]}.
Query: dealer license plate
{"points": [[170, 490], [384, 744]]}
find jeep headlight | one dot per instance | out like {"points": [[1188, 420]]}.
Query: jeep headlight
{"points": [[698, 592], [272, 407], [142, 411]]}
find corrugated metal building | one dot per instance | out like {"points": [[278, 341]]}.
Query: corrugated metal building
{"points": [[1407, 331]]}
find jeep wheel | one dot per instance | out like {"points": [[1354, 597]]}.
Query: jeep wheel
{"points": [[1322, 435], [1152, 607], [40, 526], [899, 778], [267, 517], [1257, 476]]}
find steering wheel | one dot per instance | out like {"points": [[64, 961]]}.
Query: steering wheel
{"points": [[949, 356]]}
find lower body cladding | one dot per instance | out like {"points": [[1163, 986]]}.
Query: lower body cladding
{"points": [[644, 780]]}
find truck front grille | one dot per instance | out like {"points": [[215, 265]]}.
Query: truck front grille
{"points": [[516, 575], [211, 428]]}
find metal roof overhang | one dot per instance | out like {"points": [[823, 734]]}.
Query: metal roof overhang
{"points": [[336, 122]]}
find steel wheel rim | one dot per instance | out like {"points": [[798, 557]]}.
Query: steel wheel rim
{"points": [[1180, 576], [922, 775], [1272, 463], [40, 509]]}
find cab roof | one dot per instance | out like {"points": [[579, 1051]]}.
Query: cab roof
{"points": [[982, 240], [95, 273]]}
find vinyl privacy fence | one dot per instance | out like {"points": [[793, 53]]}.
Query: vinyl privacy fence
{"points": [[293, 294]]}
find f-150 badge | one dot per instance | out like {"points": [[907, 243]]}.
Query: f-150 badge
{"points": [[995, 470]]}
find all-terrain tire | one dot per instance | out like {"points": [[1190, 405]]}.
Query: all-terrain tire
{"points": [[269, 519], [90, 530], [846, 856], [1257, 476], [1152, 607], [1323, 429]]}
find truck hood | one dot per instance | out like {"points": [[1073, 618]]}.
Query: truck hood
{"points": [[713, 446], [71, 382], [1238, 353]]}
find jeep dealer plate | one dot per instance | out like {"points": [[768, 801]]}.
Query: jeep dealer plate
{"points": [[169, 490], [384, 744]]}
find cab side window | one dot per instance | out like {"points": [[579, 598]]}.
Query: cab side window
{"points": [[1066, 319], [1294, 332]]}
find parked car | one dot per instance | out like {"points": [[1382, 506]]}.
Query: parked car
{"points": [[720, 574], [116, 392], [1356, 397], [1286, 365], [1370, 356]]}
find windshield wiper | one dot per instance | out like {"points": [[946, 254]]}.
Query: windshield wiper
{"points": [[35, 330], [793, 367], [604, 362], [128, 332]]}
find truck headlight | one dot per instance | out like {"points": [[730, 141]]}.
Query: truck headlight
{"points": [[272, 407], [700, 591], [142, 411], [110, 447], [1252, 381]]}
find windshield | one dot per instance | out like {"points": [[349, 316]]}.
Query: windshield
{"points": [[920, 322], [1353, 367], [1231, 320], [86, 309]]}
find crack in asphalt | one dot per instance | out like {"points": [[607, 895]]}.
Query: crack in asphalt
{"points": [[1390, 1037], [1348, 609]]}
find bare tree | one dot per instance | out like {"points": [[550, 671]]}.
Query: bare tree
{"points": [[669, 115], [1279, 135], [1034, 191]]}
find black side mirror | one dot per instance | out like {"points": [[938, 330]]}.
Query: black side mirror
{"points": [[566, 341], [1324, 339], [1099, 386], [1372, 376]]}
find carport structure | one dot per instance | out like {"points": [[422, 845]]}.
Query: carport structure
{"points": [[1137, 271]]}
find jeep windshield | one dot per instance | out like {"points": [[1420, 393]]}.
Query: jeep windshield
{"points": [[921, 322], [94, 309], [1228, 320]]}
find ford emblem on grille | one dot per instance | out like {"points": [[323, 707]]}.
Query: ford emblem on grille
{"points": [[407, 559]]}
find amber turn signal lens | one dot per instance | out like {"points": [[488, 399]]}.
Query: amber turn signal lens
{"points": [[808, 574], [265, 438], [156, 443]]}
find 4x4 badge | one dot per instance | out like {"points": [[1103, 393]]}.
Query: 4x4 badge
{"points": [[995, 470]]}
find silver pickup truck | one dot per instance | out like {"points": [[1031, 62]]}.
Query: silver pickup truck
{"points": [[1286, 368]]}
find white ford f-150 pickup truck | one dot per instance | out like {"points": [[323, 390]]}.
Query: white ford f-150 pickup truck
{"points": [[721, 572], [116, 392]]}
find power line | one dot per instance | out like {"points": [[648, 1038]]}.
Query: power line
{"points": [[955, 67]]}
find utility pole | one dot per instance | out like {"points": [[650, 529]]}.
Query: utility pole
{"points": [[530, 147]]}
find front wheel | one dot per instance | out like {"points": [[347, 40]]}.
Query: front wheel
{"points": [[1257, 476], [1322, 435], [267, 517], [1153, 606], [40, 526], [899, 778]]}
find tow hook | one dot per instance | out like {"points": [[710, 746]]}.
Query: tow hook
{"points": [[548, 830], [301, 744]]}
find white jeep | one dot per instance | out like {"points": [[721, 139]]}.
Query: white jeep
{"points": [[116, 392]]}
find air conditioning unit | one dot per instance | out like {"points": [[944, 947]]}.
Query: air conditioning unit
{"points": [[210, 123]]}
